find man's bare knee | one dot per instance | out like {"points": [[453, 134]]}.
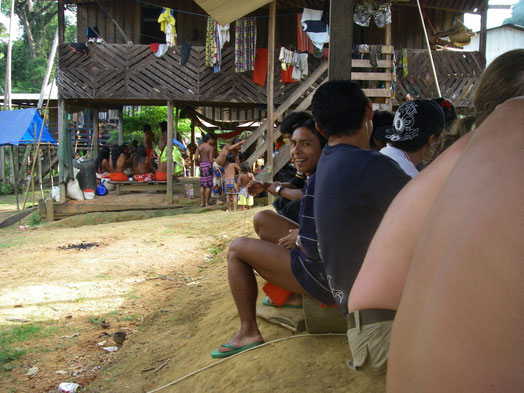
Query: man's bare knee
{"points": [[236, 245]]}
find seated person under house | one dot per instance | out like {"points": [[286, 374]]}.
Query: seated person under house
{"points": [[142, 166], [350, 203], [118, 164], [102, 164], [299, 270]]}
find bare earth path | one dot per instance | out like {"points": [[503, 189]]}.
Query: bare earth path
{"points": [[164, 282]]}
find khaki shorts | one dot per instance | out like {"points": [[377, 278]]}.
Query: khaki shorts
{"points": [[369, 347]]}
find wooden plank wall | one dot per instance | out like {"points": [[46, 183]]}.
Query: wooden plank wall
{"points": [[406, 29]]}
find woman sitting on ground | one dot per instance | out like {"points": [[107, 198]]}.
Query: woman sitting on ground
{"points": [[274, 262], [142, 166]]}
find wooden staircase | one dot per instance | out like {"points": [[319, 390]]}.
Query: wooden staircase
{"points": [[368, 77]]}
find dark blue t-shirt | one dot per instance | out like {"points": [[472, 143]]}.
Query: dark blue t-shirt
{"points": [[306, 221], [354, 188]]}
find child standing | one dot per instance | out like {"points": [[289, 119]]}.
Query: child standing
{"points": [[245, 177], [230, 182]]}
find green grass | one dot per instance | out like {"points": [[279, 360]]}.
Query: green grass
{"points": [[10, 336]]}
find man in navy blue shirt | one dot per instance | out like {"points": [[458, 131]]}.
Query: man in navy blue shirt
{"points": [[353, 190]]}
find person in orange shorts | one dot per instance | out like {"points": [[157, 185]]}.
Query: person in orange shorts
{"points": [[117, 164], [142, 166]]}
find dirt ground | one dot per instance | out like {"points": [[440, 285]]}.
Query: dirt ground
{"points": [[163, 281]]}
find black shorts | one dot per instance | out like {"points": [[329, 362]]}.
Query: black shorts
{"points": [[311, 276]]}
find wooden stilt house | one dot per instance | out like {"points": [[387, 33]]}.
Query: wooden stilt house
{"points": [[120, 67]]}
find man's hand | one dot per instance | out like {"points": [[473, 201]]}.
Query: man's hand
{"points": [[255, 187], [289, 241]]}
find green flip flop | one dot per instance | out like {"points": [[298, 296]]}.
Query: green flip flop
{"points": [[266, 301], [217, 354]]}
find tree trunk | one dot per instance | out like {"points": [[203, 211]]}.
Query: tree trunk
{"points": [[29, 34], [7, 93]]}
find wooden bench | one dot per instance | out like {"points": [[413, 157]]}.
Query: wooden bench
{"points": [[129, 186]]}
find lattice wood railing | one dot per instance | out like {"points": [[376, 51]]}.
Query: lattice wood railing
{"points": [[128, 73], [457, 72]]}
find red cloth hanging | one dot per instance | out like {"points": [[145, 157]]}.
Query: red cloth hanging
{"points": [[286, 75], [304, 43], [260, 71], [154, 47]]}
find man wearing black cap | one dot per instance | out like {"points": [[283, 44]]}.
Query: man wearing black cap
{"points": [[416, 126]]}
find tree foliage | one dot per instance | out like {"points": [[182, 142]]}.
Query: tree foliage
{"points": [[29, 62], [517, 14]]}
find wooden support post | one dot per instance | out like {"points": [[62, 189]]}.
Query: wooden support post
{"points": [[12, 165], [169, 147], [61, 22], [50, 211], [483, 31], [40, 177], [94, 140], [340, 39], [120, 126], [191, 153], [387, 31], [2, 164], [271, 90], [7, 91], [60, 126]]}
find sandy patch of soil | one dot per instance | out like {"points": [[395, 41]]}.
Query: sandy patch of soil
{"points": [[162, 280]]}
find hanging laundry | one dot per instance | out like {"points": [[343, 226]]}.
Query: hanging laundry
{"points": [[381, 12], [213, 53], [300, 67], [223, 33], [167, 25], [286, 57], [318, 38], [304, 43], [403, 62], [81, 48], [158, 49], [92, 34], [245, 44], [260, 69], [210, 41], [286, 75], [374, 52], [184, 53]]}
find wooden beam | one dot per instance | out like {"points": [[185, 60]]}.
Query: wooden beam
{"points": [[61, 22], [120, 126], [483, 32], [271, 88], [169, 170], [340, 39], [191, 151], [60, 126], [388, 40], [94, 141]]}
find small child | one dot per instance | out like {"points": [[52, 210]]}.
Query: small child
{"points": [[244, 199], [230, 182]]}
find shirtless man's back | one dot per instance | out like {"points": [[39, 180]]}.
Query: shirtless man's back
{"points": [[232, 147], [459, 327]]}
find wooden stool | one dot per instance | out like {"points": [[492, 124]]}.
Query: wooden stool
{"points": [[321, 319]]}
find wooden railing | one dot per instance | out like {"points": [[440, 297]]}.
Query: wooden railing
{"points": [[457, 72], [133, 74]]}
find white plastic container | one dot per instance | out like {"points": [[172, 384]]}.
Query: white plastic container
{"points": [[89, 194]]}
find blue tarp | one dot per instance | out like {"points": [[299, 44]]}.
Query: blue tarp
{"points": [[21, 127]]}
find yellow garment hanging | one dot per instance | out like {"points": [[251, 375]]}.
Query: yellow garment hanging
{"points": [[167, 25]]}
